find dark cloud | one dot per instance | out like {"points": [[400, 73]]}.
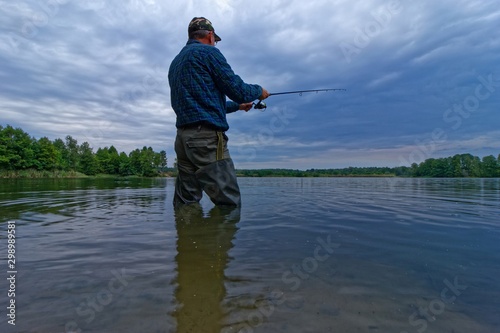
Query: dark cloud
{"points": [[97, 70]]}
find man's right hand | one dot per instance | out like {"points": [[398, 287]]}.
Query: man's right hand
{"points": [[265, 94]]}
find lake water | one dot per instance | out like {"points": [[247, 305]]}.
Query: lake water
{"points": [[301, 255]]}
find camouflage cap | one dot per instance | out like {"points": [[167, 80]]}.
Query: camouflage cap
{"points": [[201, 23]]}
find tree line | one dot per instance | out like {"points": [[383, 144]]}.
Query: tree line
{"points": [[458, 166], [20, 151], [462, 165]]}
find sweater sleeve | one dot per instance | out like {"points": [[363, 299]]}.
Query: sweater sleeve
{"points": [[230, 83], [232, 106]]}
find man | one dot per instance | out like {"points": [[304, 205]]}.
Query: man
{"points": [[200, 79]]}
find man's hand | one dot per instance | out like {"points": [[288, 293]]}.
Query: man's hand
{"points": [[246, 106], [265, 94]]}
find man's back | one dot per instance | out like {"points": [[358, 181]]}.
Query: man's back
{"points": [[200, 79]]}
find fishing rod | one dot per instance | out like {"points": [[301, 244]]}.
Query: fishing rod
{"points": [[262, 106]]}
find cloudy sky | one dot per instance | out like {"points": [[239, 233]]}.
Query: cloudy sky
{"points": [[422, 77]]}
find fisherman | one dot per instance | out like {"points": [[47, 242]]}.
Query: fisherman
{"points": [[200, 79]]}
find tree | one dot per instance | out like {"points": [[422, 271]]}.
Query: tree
{"points": [[147, 162], [414, 169], [161, 160], [87, 160], [17, 149], [46, 154], [114, 161], [4, 151], [456, 166], [135, 162], [465, 165], [471, 165], [62, 154], [489, 167], [124, 165], [102, 159], [73, 156]]}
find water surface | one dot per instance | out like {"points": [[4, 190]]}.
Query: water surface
{"points": [[301, 255]]}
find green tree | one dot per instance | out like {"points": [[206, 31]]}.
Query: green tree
{"points": [[62, 154], [498, 166], [465, 165], [124, 168], [46, 154], [471, 165], [414, 169], [425, 168], [17, 149], [87, 160], [114, 161], [161, 160], [135, 162], [102, 159], [147, 162], [441, 167], [456, 166], [489, 167], [73, 154], [4, 150]]}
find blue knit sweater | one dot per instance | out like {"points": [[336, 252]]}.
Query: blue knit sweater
{"points": [[200, 79]]}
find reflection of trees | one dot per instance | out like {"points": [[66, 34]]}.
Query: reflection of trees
{"points": [[203, 243]]}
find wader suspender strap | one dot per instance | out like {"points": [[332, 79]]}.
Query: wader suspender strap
{"points": [[220, 146]]}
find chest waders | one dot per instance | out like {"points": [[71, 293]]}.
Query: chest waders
{"points": [[209, 169]]}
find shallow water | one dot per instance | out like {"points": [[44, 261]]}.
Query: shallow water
{"points": [[301, 255]]}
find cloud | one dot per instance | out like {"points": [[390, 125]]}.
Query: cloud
{"points": [[97, 70]]}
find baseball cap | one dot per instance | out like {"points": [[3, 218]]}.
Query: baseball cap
{"points": [[201, 23]]}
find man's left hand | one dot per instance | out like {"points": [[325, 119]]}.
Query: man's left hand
{"points": [[246, 106]]}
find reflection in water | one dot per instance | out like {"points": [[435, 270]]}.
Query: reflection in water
{"points": [[400, 240], [203, 243]]}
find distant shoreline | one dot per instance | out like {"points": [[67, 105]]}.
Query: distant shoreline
{"points": [[58, 174], [172, 173], [23, 156]]}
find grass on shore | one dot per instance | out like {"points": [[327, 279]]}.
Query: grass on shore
{"points": [[40, 174], [31, 173]]}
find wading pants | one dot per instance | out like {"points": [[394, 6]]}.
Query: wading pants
{"points": [[204, 164]]}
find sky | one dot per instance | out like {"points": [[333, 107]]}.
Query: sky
{"points": [[422, 78]]}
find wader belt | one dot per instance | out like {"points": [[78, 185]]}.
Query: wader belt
{"points": [[220, 146]]}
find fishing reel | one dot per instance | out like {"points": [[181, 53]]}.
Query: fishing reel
{"points": [[260, 106]]}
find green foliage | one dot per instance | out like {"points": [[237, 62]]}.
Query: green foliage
{"points": [[87, 160], [16, 149], [20, 152], [464, 165], [490, 167], [345, 172], [46, 154], [72, 154]]}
